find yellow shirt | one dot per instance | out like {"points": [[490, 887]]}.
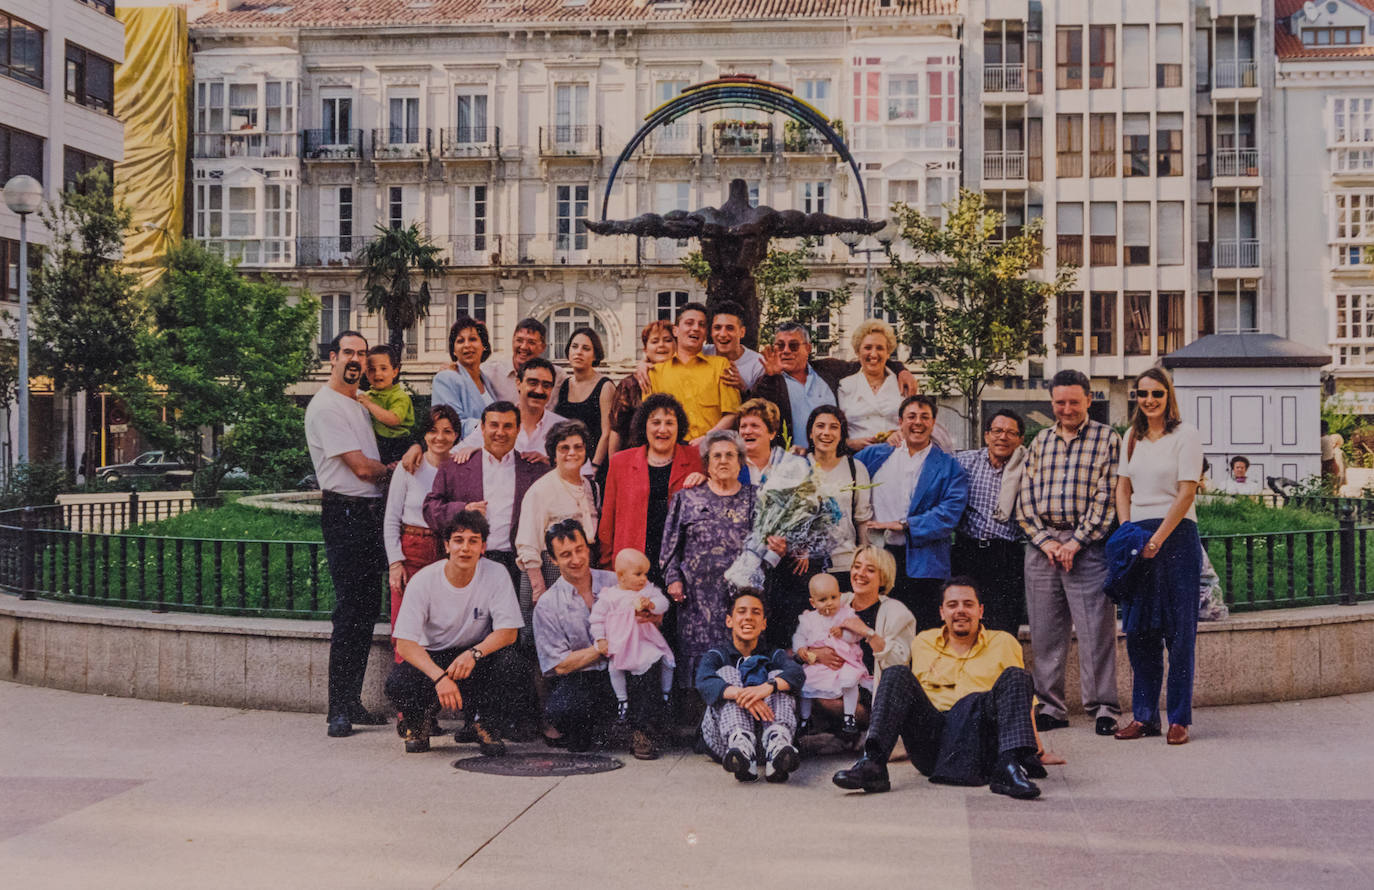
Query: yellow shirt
{"points": [[698, 386], [947, 677]]}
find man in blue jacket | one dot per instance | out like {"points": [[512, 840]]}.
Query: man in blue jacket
{"points": [[918, 496]]}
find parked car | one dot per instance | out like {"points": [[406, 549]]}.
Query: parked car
{"points": [[151, 468]]}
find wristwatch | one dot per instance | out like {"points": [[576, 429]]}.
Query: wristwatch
{"points": [[476, 653], [810, 657]]}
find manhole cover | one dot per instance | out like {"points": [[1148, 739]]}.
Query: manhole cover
{"points": [[539, 764]]}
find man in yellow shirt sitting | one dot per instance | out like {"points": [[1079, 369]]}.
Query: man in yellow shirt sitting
{"points": [[696, 380], [963, 709]]}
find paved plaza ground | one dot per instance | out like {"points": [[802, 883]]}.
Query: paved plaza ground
{"points": [[114, 793]]}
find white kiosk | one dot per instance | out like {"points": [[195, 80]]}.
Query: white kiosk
{"points": [[1257, 395]]}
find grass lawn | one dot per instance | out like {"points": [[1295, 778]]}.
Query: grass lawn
{"points": [[236, 522]]}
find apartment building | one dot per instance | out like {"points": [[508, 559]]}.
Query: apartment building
{"points": [[1136, 131], [1324, 108], [57, 61], [495, 125]]}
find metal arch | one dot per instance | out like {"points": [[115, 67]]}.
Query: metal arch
{"points": [[736, 93]]}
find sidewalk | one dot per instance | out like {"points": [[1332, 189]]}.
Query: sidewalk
{"points": [[114, 793]]}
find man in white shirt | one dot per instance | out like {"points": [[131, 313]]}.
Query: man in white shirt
{"points": [[338, 431], [454, 634], [529, 341], [727, 339], [537, 379]]}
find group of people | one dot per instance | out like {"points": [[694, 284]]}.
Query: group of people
{"points": [[556, 548]]}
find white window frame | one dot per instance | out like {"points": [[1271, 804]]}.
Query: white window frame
{"points": [[561, 321], [571, 113], [572, 203], [472, 205], [479, 108], [812, 195], [668, 303]]}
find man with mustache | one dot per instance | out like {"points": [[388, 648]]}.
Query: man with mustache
{"points": [[537, 381], [338, 431]]}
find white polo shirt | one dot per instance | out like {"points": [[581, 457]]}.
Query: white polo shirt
{"points": [[334, 426], [438, 615]]}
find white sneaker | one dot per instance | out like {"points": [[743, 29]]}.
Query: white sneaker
{"points": [[781, 754], [740, 758]]}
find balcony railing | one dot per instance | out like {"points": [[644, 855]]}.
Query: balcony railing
{"points": [[400, 144], [570, 139], [244, 145], [254, 251], [746, 140], [1069, 250], [1237, 253], [1236, 74], [1004, 165], [473, 250], [469, 142], [805, 141], [1009, 77], [677, 139], [332, 145], [1237, 162], [334, 250]]}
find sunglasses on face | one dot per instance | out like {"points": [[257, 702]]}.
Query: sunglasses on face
{"points": [[1150, 393], [788, 345]]}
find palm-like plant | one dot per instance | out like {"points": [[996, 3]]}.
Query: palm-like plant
{"points": [[389, 262]]}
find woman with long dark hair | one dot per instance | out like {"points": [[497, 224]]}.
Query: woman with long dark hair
{"points": [[1156, 490]]}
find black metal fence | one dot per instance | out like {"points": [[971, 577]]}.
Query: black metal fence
{"points": [[82, 553]]}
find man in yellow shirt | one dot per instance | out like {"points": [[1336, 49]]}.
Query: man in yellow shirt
{"points": [[697, 381], [963, 709]]}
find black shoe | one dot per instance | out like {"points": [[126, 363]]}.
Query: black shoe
{"points": [[782, 762], [339, 727], [1106, 725], [849, 729], [865, 775], [488, 742], [1045, 723], [417, 740], [1032, 765], [1010, 779], [361, 716], [579, 742]]}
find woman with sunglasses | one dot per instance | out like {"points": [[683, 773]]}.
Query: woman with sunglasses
{"points": [[1156, 489]]}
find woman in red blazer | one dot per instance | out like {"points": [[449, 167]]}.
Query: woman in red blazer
{"points": [[642, 479]]}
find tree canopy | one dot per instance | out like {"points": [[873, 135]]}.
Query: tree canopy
{"points": [[389, 262]]}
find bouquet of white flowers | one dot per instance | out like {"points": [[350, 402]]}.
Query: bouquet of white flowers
{"points": [[794, 503]]}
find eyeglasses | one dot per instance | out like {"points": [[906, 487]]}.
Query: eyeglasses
{"points": [[997, 432], [1150, 393], [788, 346]]}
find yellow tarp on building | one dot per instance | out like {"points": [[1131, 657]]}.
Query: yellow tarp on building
{"points": [[151, 99]]}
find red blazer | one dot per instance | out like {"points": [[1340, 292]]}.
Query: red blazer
{"points": [[624, 509]]}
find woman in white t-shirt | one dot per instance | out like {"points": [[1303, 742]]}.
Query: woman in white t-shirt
{"points": [[1156, 489]]}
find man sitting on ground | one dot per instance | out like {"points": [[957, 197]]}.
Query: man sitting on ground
{"points": [[746, 690], [454, 632], [963, 709]]}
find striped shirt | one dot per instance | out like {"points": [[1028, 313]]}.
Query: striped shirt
{"points": [[984, 488], [1070, 483]]}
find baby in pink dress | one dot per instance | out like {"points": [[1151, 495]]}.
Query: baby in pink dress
{"points": [[631, 645], [831, 623]]}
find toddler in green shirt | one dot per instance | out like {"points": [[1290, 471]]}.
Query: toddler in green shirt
{"points": [[393, 416]]}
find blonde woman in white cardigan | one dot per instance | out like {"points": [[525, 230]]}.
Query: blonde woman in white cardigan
{"points": [[562, 493], [891, 626]]}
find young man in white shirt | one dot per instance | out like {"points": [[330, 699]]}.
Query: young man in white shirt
{"points": [[454, 633], [727, 339], [338, 431]]}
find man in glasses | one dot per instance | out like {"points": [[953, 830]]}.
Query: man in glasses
{"points": [[988, 543], [798, 385], [537, 381], [1066, 508]]}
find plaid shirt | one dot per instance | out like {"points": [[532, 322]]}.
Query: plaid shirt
{"points": [[1070, 483], [984, 488]]}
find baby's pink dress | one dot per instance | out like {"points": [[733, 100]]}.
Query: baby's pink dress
{"points": [[635, 646], [813, 631]]}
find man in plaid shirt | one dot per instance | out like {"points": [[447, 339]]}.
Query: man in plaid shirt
{"points": [[1066, 510]]}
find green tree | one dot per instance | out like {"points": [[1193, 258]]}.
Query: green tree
{"points": [[780, 279], [86, 310], [389, 262], [221, 352], [966, 304]]}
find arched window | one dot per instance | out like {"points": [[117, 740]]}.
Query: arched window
{"points": [[561, 323]]}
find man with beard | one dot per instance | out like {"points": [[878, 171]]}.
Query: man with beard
{"points": [[338, 431], [962, 709]]}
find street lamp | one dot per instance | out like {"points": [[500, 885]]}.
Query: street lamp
{"points": [[23, 195], [884, 236]]}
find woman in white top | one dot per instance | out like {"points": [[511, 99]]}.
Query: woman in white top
{"points": [[410, 544], [1155, 491], [891, 626], [564, 493], [871, 397], [827, 430]]}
